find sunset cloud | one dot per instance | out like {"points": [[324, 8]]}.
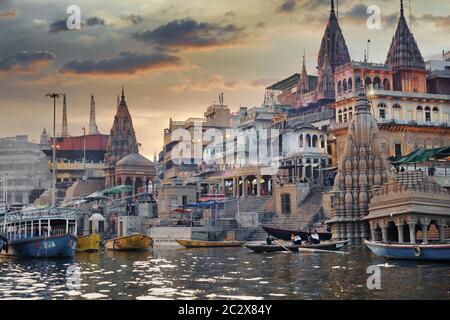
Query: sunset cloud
{"points": [[126, 63], [189, 33], [61, 25], [26, 62]]}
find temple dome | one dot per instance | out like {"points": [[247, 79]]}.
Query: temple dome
{"points": [[135, 160]]}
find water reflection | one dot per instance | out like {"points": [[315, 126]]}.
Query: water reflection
{"points": [[228, 273]]}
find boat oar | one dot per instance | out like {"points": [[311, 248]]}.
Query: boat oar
{"points": [[320, 251], [284, 247]]}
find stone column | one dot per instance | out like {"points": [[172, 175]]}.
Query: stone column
{"points": [[258, 186], [412, 232], [244, 186], [424, 233], [400, 233], [441, 228], [134, 187], [384, 233], [222, 187], [235, 187]]}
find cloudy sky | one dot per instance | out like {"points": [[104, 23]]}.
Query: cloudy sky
{"points": [[175, 56]]}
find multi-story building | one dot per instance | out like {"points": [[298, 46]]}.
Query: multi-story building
{"points": [[217, 117], [25, 167], [408, 116]]}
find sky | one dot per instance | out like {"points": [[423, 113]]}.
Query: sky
{"points": [[175, 57]]}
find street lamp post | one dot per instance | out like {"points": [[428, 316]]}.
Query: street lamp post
{"points": [[54, 96], [84, 153]]}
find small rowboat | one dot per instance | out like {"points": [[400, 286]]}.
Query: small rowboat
{"points": [[285, 234], [435, 252], [209, 244], [325, 246], [89, 243], [134, 242]]}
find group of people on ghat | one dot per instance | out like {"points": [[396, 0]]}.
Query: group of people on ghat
{"points": [[296, 239]]}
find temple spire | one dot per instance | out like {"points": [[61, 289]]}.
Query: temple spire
{"points": [[92, 123], [65, 130], [123, 93], [402, 11], [332, 12]]}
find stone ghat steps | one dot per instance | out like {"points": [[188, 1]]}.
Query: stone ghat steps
{"points": [[251, 204], [303, 217]]}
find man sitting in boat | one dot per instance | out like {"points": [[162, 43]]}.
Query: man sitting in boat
{"points": [[314, 238], [269, 240], [297, 240]]}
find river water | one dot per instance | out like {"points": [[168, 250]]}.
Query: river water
{"points": [[222, 273]]}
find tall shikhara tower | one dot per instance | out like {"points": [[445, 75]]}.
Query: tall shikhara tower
{"points": [[363, 168], [92, 124], [333, 53], [122, 140], [404, 56]]}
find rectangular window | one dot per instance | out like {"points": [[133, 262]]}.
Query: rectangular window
{"points": [[398, 149], [382, 114], [286, 204]]}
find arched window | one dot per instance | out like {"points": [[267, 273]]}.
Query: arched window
{"points": [[315, 141], [382, 110], [308, 141], [350, 85], [377, 83], [368, 82], [350, 113], [344, 85], [345, 115], [435, 114], [340, 87], [340, 116], [397, 111], [358, 82], [419, 116], [322, 142], [427, 114], [386, 84], [301, 141]]}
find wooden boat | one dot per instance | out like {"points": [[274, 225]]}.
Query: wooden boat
{"points": [[325, 246], [434, 252], [40, 233], [285, 234], [209, 244], [89, 243], [134, 242]]}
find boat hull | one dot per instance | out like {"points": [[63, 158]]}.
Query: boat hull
{"points": [[285, 234], [89, 243], [135, 242], [329, 246], [62, 246], [210, 244], [438, 252]]}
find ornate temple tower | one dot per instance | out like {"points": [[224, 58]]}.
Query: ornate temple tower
{"points": [[122, 139], [65, 128], [92, 123], [363, 169], [303, 84], [407, 63], [333, 51]]}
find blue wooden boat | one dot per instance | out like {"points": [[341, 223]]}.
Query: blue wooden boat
{"points": [[434, 252], [62, 246], [49, 233]]}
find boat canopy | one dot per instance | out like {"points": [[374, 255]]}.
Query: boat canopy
{"points": [[204, 204], [97, 217], [421, 155], [118, 189]]}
